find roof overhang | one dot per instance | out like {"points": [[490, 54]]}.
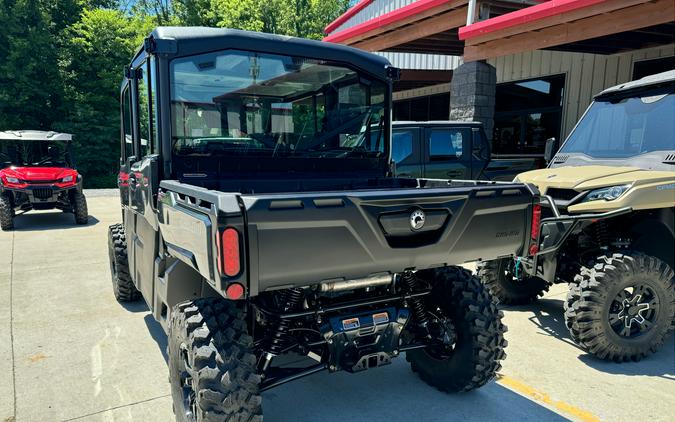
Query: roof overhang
{"points": [[413, 23], [35, 135], [560, 23]]}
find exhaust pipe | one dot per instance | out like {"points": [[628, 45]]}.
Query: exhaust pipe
{"points": [[358, 283]]}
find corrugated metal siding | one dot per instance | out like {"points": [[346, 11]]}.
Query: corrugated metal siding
{"points": [[373, 10], [422, 61], [585, 74]]}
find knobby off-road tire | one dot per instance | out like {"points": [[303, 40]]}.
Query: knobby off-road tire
{"points": [[498, 276], [623, 307], [6, 214], [80, 208], [123, 286], [212, 367], [480, 342]]}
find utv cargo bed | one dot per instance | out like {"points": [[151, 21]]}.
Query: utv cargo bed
{"points": [[300, 239]]}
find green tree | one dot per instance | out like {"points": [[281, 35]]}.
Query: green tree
{"points": [[300, 18], [30, 83], [99, 46]]}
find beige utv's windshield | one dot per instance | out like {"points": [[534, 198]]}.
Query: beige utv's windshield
{"points": [[626, 127], [252, 104]]}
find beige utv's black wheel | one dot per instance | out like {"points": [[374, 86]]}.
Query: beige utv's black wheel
{"points": [[6, 214], [80, 208], [507, 286], [212, 367], [123, 286], [623, 307], [473, 357]]}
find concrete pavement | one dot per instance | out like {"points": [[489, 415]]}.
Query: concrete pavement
{"points": [[73, 353]]}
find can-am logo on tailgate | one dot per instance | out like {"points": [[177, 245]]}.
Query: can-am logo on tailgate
{"points": [[417, 219]]}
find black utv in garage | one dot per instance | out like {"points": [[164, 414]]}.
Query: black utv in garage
{"points": [[261, 218]]}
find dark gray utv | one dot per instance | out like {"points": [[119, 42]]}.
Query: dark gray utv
{"points": [[261, 218]]}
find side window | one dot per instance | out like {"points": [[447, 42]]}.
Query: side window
{"points": [[446, 144], [127, 141], [144, 110], [401, 145], [153, 106]]}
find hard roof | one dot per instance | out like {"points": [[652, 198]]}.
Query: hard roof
{"points": [[657, 79], [34, 135], [181, 41]]}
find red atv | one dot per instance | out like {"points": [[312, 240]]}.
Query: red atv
{"points": [[37, 173]]}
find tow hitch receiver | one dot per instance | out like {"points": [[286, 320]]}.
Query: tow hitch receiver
{"points": [[364, 341]]}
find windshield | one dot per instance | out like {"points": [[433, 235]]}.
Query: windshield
{"points": [[251, 104], [33, 153], [626, 127]]}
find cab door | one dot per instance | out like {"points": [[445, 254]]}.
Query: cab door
{"points": [[406, 152], [480, 154], [144, 181], [126, 145], [445, 153]]}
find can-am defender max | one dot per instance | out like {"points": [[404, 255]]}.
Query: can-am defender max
{"points": [[260, 218], [37, 173], [608, 224]]}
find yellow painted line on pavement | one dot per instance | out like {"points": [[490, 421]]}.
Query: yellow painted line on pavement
{"points": [[534, 394]]}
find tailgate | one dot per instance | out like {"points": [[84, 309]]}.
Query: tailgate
{"points": [[302, 239]]}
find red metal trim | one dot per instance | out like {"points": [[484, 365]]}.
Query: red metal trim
{"points": [[386, 19], [346, 15], [522, 16]]}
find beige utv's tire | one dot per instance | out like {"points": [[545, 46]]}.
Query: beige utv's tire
{"points": [[623, 307], [508, 289]]}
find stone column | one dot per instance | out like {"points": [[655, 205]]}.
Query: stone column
{"points": [[472, 94]]}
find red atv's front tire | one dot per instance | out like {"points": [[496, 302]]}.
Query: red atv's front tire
{"points": [[80, 208], [6, 214]]}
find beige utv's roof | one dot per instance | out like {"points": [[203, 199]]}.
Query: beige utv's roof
{"points": [[656, 79], [34, 135]]}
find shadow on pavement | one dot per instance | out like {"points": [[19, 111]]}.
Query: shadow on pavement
{"points": [[157, 333], [391, 393], [137, 306], [56, 220], [661, 364], [549, 318], [394, 393]]}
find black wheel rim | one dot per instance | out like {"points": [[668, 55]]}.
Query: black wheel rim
{"points": [[444, 336], [187, 389], [634, 311]]}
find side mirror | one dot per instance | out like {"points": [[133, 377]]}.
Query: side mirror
{"points": [[552, 146]]}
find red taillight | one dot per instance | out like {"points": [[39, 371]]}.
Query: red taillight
{"points": [[234, 291], [534, 230], [536, 221], [533, 249], [230, 260]]}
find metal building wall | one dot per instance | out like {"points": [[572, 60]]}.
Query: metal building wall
{"points": [[422, 61], [373, 10], [585, 74]]}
